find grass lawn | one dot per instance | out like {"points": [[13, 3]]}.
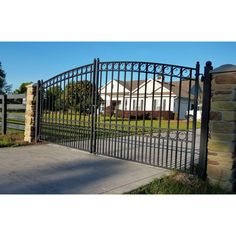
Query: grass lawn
{"points": [[117, 123], [12, 138], [179, 183]]}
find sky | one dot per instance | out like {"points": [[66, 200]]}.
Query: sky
{"points": [[33, 61]]}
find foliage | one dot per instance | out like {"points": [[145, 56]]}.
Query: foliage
{"points": [[79, 95], [4, 87], [179, 183], [22, 88], [53, 96], [75, 96]]}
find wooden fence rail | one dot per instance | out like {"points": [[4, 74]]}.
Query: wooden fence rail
{"points": [[8, 105]]}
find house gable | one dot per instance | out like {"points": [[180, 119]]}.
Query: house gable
{"points": [[150, 85], [113, 87]]}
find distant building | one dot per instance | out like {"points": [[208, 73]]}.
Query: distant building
{"points": [[130, 96]]}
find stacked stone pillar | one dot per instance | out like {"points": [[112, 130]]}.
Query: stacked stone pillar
{"points": [[221, 166], [30, 113]]}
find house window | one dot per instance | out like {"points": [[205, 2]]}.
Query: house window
{"points": [[142, 105], [156, 105], [164, 105], [133, 104], [126, 104]]}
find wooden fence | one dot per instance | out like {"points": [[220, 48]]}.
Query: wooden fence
{"points": [[12, 112]]}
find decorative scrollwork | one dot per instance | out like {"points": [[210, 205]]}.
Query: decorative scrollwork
{"points": [[168, 70], [176, 72], [122, 66], [116, 66], [150, 68], [129, 66], [186, 73], [143, 67], [158, 69], [136, 66], [104, 66]]}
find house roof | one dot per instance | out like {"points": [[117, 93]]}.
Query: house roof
{"points": [[184, 92], [131, 84]]}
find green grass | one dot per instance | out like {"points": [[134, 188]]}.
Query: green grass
{"points": [[117, 123], [12, 138], [179, 183]]}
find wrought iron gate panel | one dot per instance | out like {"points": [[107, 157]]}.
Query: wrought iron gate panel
{"points": [[130, 124], [137, 111], [66, 100]]}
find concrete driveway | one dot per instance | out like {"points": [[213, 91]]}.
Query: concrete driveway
{"points": [[54, 169]]}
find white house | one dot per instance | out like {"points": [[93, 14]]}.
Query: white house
{"points": [[129, 96]]}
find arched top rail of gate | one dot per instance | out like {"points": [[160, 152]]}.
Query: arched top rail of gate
{"points": [[157, 69], [81, 70], [148, 67]]}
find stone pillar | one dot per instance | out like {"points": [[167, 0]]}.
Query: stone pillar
{"points": [[221, 166], [30, 113]]}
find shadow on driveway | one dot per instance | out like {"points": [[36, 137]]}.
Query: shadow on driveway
{"points": [[54, 169]]}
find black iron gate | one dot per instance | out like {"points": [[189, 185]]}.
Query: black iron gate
{"points": [[138, 111]]}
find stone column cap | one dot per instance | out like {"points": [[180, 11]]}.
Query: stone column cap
{"points": [[31, 85], [224, 68]]}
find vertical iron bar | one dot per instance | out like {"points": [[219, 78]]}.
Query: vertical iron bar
{"points": [[63, 113], [96, 77], [181, 147], [171, 154], [105, 110], [99, 125], [195, 117], [4, 114], [144, 116], [49, 125], [122, 115], [67, 110], [56, 109], [59, 108], [77, 128], [160, 116], [72, 129], [136, 117], [52, 106], [130, 104], [187, 132], [177, 128], [117, 131], [41, 120], [151, 123], [92, 107], [37, 117], [111, 112], [205, 120], [83, 113], [169, 112], [87, 121]]}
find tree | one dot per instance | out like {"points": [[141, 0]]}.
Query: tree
{"points": [[53, 97], [4, 87], [78, 96], [22, 88]]}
